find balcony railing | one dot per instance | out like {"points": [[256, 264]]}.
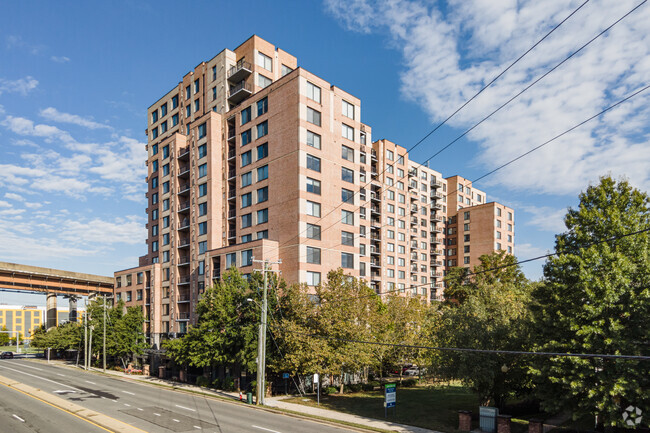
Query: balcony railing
{"points": [[239, 71], [183, 260], [232, 213], [183, 316], [239, 92], [185, 224], [183, 206]]}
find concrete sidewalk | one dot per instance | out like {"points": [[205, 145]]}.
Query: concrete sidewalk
{"points": [[271, 402]]}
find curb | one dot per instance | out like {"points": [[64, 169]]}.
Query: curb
{"points": [[99, 419]]}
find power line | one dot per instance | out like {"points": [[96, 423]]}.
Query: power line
{"points": [[466, 102], [489, 351], [476, 124], [643, 89]]}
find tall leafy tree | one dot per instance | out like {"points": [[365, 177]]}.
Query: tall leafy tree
{"points": [[596, 299], [489, 309], [4, 336]]}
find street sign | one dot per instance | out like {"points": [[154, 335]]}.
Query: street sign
{"points": [[390, 397], [285, 375], [316, 378]]}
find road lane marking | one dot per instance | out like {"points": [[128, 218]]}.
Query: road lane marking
{"points": [[126, 404], [60, 408], [92, 383], [266, 429], [127, 392], [186, 408], [157, 414], [174, 419], [196, 426], [63, 391], [43, 378], [18, 418], [59, 374], [27, 366], [140, 409]]}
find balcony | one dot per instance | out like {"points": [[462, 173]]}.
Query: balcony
{"points": [[436, 206], [184, 153], [239, 92], [184, 206], [184, 261], [231, 234], [375, 196], [375, 237], [436, 184], [184, 225], [232, 213], [183, 297], [375, 209], [240, 71], [231, 154], [375, 276], [183, 189], [374, 250], [184, 243], [413, 173], [231, 133], [375, 263], [183, 316], [184, 171], [436, 252], [375, 223], [436, 240], [436, 195], [232, 194], [373, 154], [436, 218], [436, 263], [185, 279], [414, 221]]}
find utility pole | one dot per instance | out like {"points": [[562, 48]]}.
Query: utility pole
{"points": [[261, 342], [85, 334], [104, 336]]}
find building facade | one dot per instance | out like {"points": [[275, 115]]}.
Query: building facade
{"points": [[250, 156], [25, 319]]}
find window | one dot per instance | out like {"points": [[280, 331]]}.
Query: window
{"points": [[286, 70], [499, 223], [313, 116], [154, 149], [313, 231], [264, 61], [165, 152], [347, 131], [509, 227], [263, 194], [263, 173], [509, 238], [203, 189], [246, 158], [262, 106], [466, 216], [188, 111], [313, 255], [165, 255], [246, 199], [263, 81], [214, 93], [163, 110], [262, 151], [262, 216], [174, 102], [154, 230], [347, 109], [165, 239], [498, 246], [347, 238], [246, 220], [203, 209], [231, 260], [347, 217], [174, 120], [214, 73], [347, 260], [154, 246], [313, 278], [390, 155], [165, 187], [313, 209], [466, 227], [197, 104], [196, 86], [498, 211], [203, 150], [347, 175], [313, 92], [263, 234], [203, 170], [154, 133], [347, 196], [166, 222], [262, 129], [154, 116], [347, 153], [245, 115], [390, 234], [246, 137], [154, 198], [203, 228], [401, 198], [246, 179], [163, 127], [509, 216], [313, 163], [498, 235], [466, 238], [154, 166], [313, 186], [400, 160], [313, 140], [247, 257], [188, 93]]}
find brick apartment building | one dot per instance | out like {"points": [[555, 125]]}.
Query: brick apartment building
{"points": [[252, 156]]}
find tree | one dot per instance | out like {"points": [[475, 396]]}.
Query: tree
{"points": [[596, 299], [4, 336], [487, 310]]}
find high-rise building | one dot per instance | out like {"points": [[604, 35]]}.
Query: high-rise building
{"points": [[250, 156]]}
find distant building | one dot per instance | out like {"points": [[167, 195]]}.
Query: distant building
{"points": [[251, 156], [25, 319]]}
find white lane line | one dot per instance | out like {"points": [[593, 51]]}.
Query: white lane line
{"points": [[140, 409], [126, 404], [18, 418], [157, 414], [186, 408], [92, 383], [127, 392], [45, 379], [197, 427], [59, 374], [33, 368], [266, 429], [174, 419]]}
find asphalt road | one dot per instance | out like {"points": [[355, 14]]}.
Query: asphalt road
{"points": [[147, 407], [21, 413]]}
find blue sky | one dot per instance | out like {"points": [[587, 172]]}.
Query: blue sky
{"points": [[76, 79]]}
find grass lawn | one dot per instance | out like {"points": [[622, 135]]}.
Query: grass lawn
{"points": [[22, 349], [432, 407]]}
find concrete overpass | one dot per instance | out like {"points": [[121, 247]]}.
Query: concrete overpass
{"points": [[53, 282]]}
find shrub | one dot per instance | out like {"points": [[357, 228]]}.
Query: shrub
{"points": [[228, 384], [370, 385], [331, 390], [409, 383], [202, 381], [355, 387]]}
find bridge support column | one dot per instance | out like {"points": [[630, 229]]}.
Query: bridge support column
{"points": [[72, 303], [50, 311]]}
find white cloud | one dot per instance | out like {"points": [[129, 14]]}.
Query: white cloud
{"points": [[23, 126], [60, 59], [4, 203], [54, 115], [528, 251], [14, 196], [546, 218], [21, 85], [129, 230], [450, 54]]}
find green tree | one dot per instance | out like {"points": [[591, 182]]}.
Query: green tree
{"points": [[489, 309], [4, 336], [596, 299]]}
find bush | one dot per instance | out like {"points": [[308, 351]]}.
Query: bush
{"points": [[331, 390], [202, 381], [355, 387], [228, 384], [408, 383], [370, 386]]}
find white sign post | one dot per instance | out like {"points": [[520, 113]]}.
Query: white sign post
{"points": [[316, 381]]}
